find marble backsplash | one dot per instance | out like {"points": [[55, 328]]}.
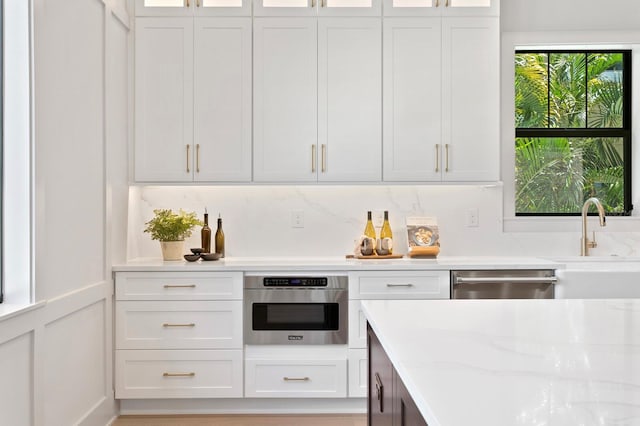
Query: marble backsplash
{"points": [[257, 220]]}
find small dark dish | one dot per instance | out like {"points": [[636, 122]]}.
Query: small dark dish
{"points": [[210, 256], [197, 251], [191, 257]]}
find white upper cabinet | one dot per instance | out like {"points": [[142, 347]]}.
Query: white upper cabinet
{"points": [[164, 100], [193, 7], [349, 99], [317, 7], [441, 99], [441, 7], [317, 100], [193, 100], [285, 107]]}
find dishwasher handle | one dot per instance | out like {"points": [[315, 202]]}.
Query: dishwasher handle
{"points": [[500, 280]]}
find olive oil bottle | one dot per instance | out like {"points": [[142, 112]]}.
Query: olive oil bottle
{"points": [[219, 238], [205, 234]]}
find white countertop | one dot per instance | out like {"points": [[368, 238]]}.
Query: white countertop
{"points": [[338, 264], [515, 362]]}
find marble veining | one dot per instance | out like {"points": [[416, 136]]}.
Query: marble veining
{"points": [[508, 362]]}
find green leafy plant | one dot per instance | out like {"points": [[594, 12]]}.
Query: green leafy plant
{"points": [[169, 226]]}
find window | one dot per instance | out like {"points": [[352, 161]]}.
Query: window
{"points": [[573, 131]]}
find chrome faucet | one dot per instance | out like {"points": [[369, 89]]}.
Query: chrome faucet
{"points": [[585, 243]]}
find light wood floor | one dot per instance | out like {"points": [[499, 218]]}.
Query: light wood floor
{"points": [[245, 420]]}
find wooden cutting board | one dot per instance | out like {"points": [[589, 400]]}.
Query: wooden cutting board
{"points": [[375, 256]]}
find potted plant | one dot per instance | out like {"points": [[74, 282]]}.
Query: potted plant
{"points": [[171, 229]]}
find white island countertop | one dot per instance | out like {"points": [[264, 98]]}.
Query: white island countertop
{"points": [[515, 362], [290, 263]]}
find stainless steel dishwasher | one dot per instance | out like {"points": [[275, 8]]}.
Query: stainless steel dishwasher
{"points": [[503, 284]]}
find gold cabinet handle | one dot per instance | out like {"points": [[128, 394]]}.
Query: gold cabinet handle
{"points": [[324, 157], [437, 157], [437, 3], [197, 3], [321, 3], [191, 374], [446, 157], [187, 2], [197, 158], [188, 148], [313, 3], [446, 3], [296, 379], [167, 325], [179, 286], [313, 158]]}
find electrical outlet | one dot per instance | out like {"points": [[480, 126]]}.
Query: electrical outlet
{"points": [[297, 218], [472, 217]]}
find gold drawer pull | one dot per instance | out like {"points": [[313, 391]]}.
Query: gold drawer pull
{"points": [[400, 285], [191, 374], [179, 286], [296, 379], [437, 157], [191, 324]]}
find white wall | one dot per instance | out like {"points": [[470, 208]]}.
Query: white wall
{"points": [[569, 15], [56, 359]]}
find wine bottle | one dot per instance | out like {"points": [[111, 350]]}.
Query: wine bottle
{"points": [[386, 236], [220, 238], [369, 230], [205, 234]]}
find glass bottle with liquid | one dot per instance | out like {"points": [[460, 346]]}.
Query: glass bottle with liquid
{"points": [[386, 236], [205, 235], [219, 238], [369, 230]]}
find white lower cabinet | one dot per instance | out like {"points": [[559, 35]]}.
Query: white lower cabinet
{"points": [[178, 335], [178, 373], [358, 368], [387, 285], [277, 378]]}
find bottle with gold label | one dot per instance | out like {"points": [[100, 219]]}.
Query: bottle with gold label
{"points": [[220, 238], [369, 230], [385, 245], [205, 234]]}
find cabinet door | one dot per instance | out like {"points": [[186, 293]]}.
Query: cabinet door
{"points": [[285, 99], [349, 7], [349, 99], [412, 99], [470, 7], [285, 7], [163, 99], [405, 410], [193, 7], [222, 99], [471, 99], [441, 7], [164, 7], [380, 394]]}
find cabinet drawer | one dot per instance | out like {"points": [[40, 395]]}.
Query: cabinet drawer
{"points": [[179, 325], [179, 286], [296, 378], [178, 374], [399, 285], [358, 373]]}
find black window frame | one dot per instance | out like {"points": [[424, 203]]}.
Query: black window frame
{"points": [[623, 132]]}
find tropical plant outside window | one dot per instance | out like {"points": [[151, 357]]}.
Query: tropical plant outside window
{"points": [[573, 131]]}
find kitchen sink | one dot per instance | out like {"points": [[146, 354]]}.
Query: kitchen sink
{"points": [[595, 277]]}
